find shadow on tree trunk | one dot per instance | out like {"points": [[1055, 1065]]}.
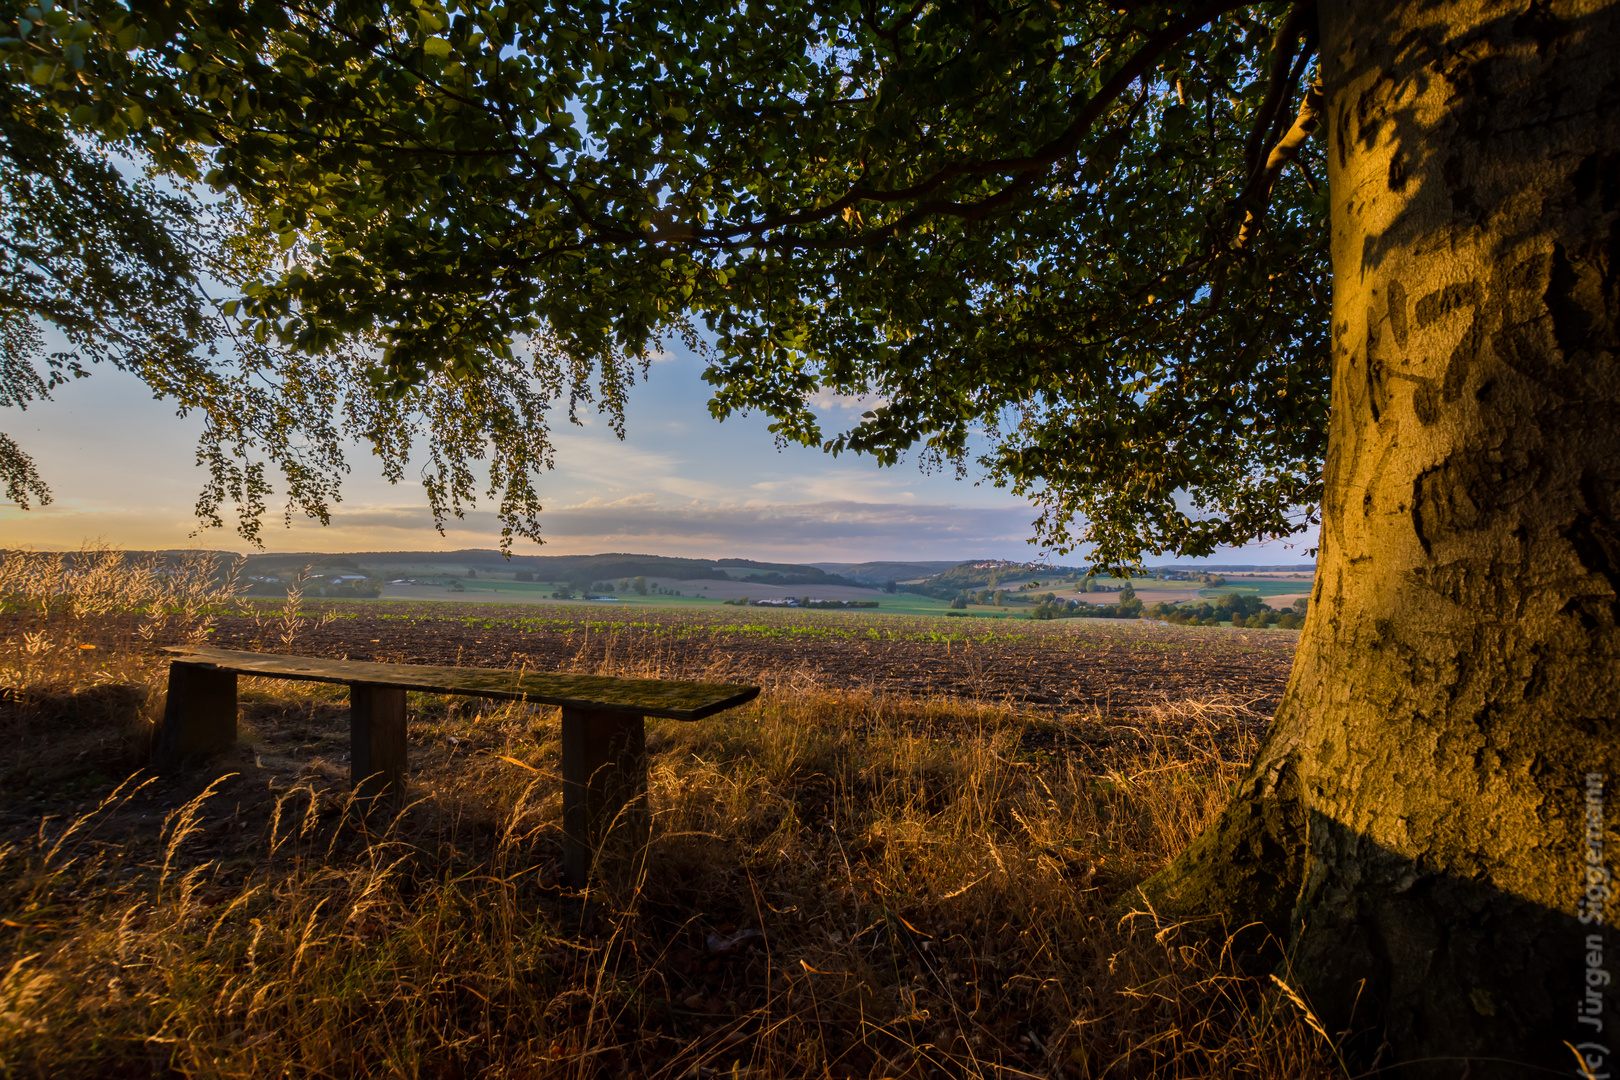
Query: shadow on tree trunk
{"points": [[1465, 979]]}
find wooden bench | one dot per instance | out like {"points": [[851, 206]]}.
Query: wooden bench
{"points": [[603, 729]]}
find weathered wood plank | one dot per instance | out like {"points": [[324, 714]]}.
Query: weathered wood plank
{"points": [[641, 697]]}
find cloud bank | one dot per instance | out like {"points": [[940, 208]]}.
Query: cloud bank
{"points": [[831, 529]]}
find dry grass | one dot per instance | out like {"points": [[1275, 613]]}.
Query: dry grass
{"points": [[838, 884], [53, 603], [79, 629]]}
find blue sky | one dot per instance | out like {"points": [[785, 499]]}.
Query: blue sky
{"points": [[122, 470]]}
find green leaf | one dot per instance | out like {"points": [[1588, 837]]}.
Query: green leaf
{"points": [[502, 192]]}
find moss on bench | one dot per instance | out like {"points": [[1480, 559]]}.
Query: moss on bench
{"points": [[670, 699]]}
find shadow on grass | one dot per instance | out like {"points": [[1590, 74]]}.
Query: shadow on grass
{"points": [[838, 884]]}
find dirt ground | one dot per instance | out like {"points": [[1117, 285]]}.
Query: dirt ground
{"points": [[274, 811], [1093, 671], [1090, 665]]}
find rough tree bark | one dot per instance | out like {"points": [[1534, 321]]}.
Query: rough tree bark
{"points": [[1415, 827]]}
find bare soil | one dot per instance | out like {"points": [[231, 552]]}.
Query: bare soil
{"points": [[1092, 665], [1102, 673], [747, 932]]}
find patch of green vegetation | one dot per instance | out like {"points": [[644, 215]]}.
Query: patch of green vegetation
{"points": [[1257, 587], [714, 621], [502, 589]]}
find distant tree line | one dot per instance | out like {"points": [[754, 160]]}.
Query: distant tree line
{"points": [[813, 577], [802, 602], [369, 589], [1238, 610], [1234, 609]]}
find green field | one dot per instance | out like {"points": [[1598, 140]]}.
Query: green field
{"points": [[501, 587], [1257, 587], [504, 590]]}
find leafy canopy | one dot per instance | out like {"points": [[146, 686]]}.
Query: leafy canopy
{"points": [[1055, 223]]}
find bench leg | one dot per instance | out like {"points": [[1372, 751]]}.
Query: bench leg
{"points": [[199, 714], [605, 820], [377, 741]]}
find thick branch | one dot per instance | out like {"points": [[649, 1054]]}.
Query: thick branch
{"points": [[1301, 21], [1258, 193]]}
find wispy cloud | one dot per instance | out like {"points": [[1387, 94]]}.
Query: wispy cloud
{"points": [[824, 528], [121, 467]]}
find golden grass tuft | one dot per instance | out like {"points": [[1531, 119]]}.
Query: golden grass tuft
{"points": [[839, 884]]}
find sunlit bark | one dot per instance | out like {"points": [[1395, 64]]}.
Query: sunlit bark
{"points": [[1415, 825]]}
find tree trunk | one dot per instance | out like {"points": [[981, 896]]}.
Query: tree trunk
{"points": [[1416, 826]]}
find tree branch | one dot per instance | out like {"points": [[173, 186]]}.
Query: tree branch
{"points": [[1258, 193], [1300, 21], [1029, 167]]}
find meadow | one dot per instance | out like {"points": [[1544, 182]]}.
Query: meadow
{"points": [[669, 593], [857, 875], [1255, 587], [499, 590]]}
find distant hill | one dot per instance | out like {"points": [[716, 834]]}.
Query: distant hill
{"points": [[545, 567], [780, 573], [876, 573], [954, 576], [1241, 568], [561, 568], [989, 573]]}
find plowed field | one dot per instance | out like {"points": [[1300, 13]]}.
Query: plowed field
{"points": [[1110, 666]]}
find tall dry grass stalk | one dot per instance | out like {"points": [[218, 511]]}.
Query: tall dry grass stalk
{"points": [[71, 616], [78, 637], [838, 884]]}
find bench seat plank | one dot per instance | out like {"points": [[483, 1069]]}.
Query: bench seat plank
{"points": [[641, 697]]}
